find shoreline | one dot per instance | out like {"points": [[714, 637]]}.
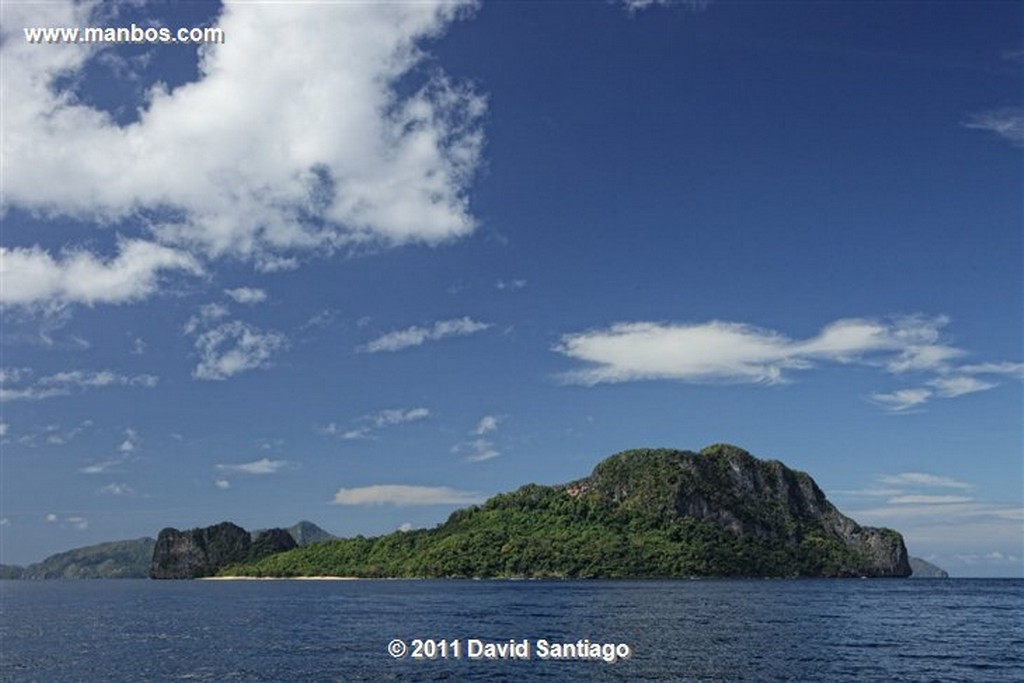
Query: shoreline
{"points": [[279, 578]]}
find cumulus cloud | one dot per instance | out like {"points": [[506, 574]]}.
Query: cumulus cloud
{"points": [[229, 347], [247, 295], [222, 484], [32, 275], [235, 347], [337, 158], [1006, 122], [64, 383], [261, 466], [401, 495], [739, 353], [416, 336]]}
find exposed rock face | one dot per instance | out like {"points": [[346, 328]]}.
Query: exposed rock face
{"points": [[732, 489], [926, 570], [202, 552]]}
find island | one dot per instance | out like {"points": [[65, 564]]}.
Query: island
{"points": [[648, 513]]}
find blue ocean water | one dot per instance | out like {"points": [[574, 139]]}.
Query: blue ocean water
{"points": [[833, 631]]}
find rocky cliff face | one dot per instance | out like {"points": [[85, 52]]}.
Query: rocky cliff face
{"points": [[732, 489], [202, 552]]}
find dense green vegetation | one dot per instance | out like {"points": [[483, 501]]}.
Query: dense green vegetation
{"points": [[629, 519]]}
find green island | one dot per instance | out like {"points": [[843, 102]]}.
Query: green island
{"points": [[640, 514]]}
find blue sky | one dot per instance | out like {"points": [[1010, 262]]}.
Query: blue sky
{"points": [[366, 263]]}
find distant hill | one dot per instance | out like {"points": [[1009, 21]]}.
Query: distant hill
{"points": [[641, 513], [131, 559], [304, 533], [113, 560], [922, 569]]}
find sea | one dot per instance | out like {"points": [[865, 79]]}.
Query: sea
{"points": [[833, 631]]}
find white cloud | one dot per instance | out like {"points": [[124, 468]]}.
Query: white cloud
{"points": [[928, 500], [139, 346], [923, 479], [65, 383], [4, 428], [130, 443], [1014, 370], [114, 489], [231, 347], [405, 527], [510, 285], [415, 336], [336, 158], [247, 295], [477, 450], [222, 484], [488, 424], [374, 422], [735, 352], [901, 400], [738, 353], [51, 518], [79, 523], [4, 522], [1006, 122], [32, 276], [261, 466], [401, 495], [394, 416], [951, 387], [634, 6]]}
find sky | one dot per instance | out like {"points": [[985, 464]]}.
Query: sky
{"points": [[366, 263]]}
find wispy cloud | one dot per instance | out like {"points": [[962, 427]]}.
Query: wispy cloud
{"points": [[114, 489], [1006, 122], [261, 466], [923, 479], [247, 295], [477, 450], [634, 6], [509, 285], [902, 400], [401, 495], [64, 383], [369, 424], [488, 424], [416, 336], [739, 353], [125, 452]]}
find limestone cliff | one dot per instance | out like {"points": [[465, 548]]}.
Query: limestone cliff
{"points": [[202, 552]]}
